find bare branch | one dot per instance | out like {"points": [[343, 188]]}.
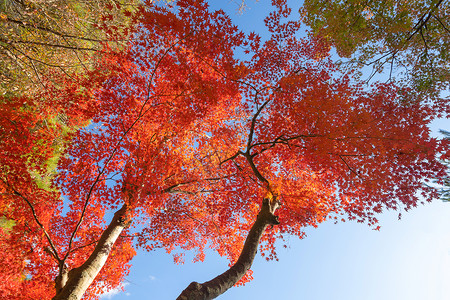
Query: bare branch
{"points": [[54, 252], [442, 24], [33, 26], [348, 166], [252, 126]]}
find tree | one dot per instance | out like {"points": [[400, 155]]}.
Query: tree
{"points": [[67, 35], [26, 151], [38, 37], [445, 181], [410, 37], [189, 147]]}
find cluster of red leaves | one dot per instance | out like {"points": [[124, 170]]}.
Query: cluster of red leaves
{"points": [[26, 143], [172, 119]]}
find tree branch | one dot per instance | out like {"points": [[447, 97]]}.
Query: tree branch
{"points": [[220, 284], [252, 126], [36, 219], [34, 26]]}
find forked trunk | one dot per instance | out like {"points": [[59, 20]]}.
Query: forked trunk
{"points": [[219, 285]]}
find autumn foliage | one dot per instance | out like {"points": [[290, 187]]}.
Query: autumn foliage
{"points": [[184, 137], [405, 40]]}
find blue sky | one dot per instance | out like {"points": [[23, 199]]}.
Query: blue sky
{"points": [[406, 259]]}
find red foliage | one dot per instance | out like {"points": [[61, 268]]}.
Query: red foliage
{"points": [[174, 120]]}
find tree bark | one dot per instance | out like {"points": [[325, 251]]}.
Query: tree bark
{"points": [[219, 285], [79, 279]]}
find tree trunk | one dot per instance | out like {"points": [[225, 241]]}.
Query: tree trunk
{"points": [[219, 285], [79, 279]]}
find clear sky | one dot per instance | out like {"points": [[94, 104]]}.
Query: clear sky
{"points": [[408, 259]]}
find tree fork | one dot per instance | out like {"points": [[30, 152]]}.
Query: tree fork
{"points": [[220, 284], [73, 285]]}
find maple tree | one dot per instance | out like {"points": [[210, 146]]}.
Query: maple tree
{"points": [[189, 146], [409, 38]]}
